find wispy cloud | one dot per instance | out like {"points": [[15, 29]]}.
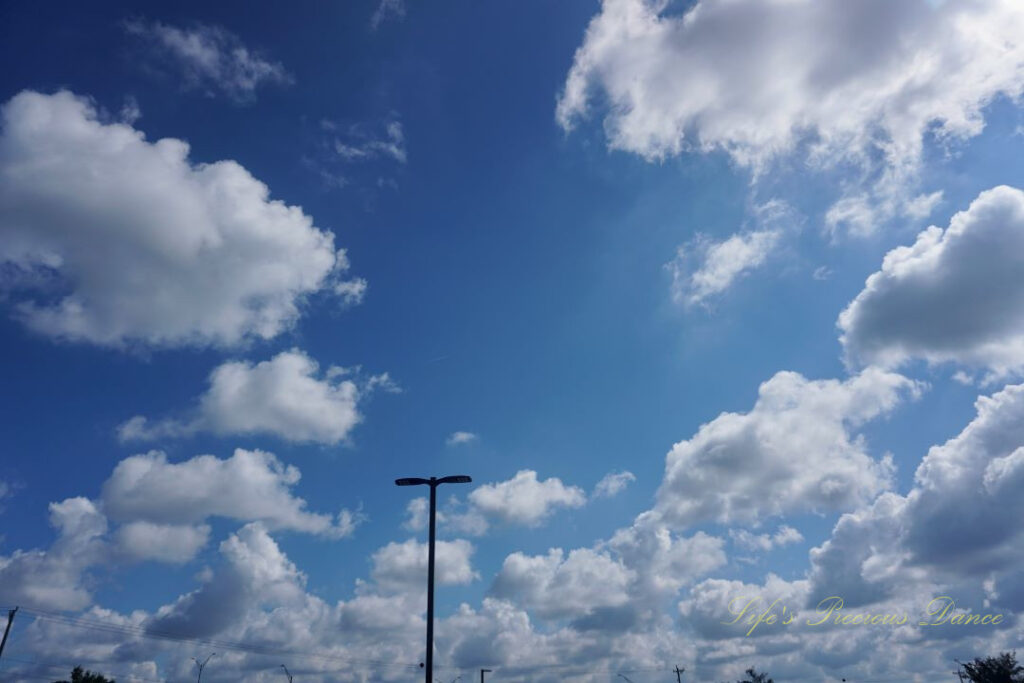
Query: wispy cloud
{"points": [[210, 58], [458, 438], [387, 10]]}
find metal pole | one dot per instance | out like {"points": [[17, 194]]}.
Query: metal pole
{"points": [[433, 482], [482, 672], [430, 582], [10, 620], [202, 665]]}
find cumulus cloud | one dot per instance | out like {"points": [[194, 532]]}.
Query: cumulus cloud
{"points": [[558, 586], [499, 633], [210, 58], [159, 510], [793, 451], [524, 499], [255, 572], [403, 566], [417, 511], [282, 396], [521, 500], [174, 543], [967, 489], [248, 486], [613, 483], [713, 603], [664, 561], [955, 295], [752, 76], [252, 594], [54, 578], [108, 238], [857, 82], [783, 536], [454, 516]]}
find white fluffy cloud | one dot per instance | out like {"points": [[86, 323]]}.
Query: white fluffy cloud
{"points": [[793, 451], [210, 58], [173, 543], [454, 516], [753, 77], [403, 566], [713, 603], [53, 578], [558, 586], [663, 561], [110, 239], [160, 509], [281, 396], [855, 81], [248, 486], [524, 499], [954, 295], [783, 536], [255, 572], [613, 483], [967, 489]]}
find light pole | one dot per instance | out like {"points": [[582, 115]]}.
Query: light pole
{"points": [[286, 673], [482, 672], [202, 665], [433, 483]]}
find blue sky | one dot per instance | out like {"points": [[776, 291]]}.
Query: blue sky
{"points": [[755, 266]]}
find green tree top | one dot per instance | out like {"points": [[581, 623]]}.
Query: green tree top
{"points": [[754, 677], [1002, 668], [79, 676]]}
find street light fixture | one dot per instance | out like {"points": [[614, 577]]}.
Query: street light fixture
{"points": [[286, 673], [202, 665], [433, 483]]}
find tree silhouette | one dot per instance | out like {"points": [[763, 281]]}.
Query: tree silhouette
{"points": [[79, 676], [754, 677], [1002, 668]]}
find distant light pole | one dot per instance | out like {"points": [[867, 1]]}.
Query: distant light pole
{"points": [[433, 483], [482, 672], [286, 673], [202, 665]]}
